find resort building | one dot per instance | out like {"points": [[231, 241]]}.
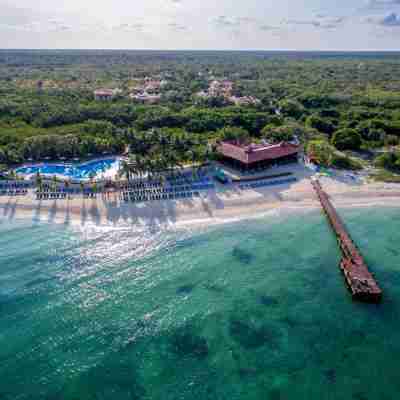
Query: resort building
{"points": [[257, 156], [146, 98], [148, 91], [244, 101], [203, 94], [224, 88], [218, 88], [106, 94], [221, 88], [137, 89], [153, 85]]}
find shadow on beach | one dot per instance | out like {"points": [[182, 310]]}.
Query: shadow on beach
{"points": [[109, 207], [152, 213]]}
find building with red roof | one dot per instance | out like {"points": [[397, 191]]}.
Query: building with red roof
{"points": [[106, 94], [253, 156]]}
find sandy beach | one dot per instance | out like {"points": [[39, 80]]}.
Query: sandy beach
{"points": [[227, 203]]}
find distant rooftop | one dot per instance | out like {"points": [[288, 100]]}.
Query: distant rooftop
{"points": [[106, 92]]}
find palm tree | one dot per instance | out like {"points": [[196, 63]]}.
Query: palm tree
{"points": [[163, 180], [149, 166], [173, 161], [163, 143], [39, 180], [139, 166], [92, 181], [67, 185], [208, 153], [160, 164], [179, 146], [190, 155], [125, 170], [132, 167], [12, 175], [54, 183]]}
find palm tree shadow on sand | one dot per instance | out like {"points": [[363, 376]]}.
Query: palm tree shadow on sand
{"points": [[206, 207], [84, 212], [52, 212], [13, 209], [114, 210], [215, 200], [95, 213], [37, 212], [67, 219], [8, 209]]}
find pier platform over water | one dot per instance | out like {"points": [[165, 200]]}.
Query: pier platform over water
{"points": [[359, 280]]}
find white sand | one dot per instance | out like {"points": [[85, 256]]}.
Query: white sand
{"points": [[223, 205]]}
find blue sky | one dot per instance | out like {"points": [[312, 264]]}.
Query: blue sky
{"points": [[201, 24]]}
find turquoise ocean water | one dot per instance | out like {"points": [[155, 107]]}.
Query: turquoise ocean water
{"points": [[250, 310]]}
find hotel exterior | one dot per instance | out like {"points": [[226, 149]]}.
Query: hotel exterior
{"points": [[105, 94], [256, 156]]}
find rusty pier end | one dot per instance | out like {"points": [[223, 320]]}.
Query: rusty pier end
{"points": [[359, 280]]}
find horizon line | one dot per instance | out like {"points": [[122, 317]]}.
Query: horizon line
{"points": [[209, 50]]}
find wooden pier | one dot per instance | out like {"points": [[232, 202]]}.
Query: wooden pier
{"points": [[359, 280]]}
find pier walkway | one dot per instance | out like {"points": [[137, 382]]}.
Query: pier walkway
{"points": [[360, 281]]}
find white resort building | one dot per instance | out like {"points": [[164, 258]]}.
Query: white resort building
{"points": [[106, 94], [146, 98], [224, 88], [148, 91]]}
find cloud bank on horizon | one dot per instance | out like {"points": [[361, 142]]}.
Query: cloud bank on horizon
{"points": [[205, 24]]}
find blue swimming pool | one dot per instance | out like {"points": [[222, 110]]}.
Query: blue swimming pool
{"points": [[96, 168]]}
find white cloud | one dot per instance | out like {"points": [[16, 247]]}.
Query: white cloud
{"points": [[177, 27], [132, 27], [319, 21], [226, 24], [269, 28], [225, 21]]}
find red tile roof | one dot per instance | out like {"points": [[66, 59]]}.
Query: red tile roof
{"points": [[252, 153], [104, 92]]}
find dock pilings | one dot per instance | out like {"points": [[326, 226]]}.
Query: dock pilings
{"points": [[360, 281]]}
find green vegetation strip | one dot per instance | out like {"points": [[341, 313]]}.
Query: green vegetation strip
{"points": [[335, 106]]}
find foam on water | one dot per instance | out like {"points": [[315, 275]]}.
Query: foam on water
{"points": [[249, 310]]}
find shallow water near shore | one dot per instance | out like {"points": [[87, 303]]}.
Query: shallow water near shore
{"points": [[250, 310]]}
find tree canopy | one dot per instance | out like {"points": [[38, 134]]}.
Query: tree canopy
{"points": [[346, 139], [327, 101]]}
